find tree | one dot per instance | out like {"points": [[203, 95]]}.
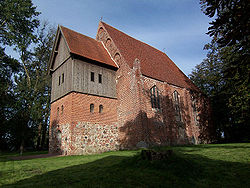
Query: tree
{"points": [[8, 66], [18, 20], [33, 91], [41, 107], [231, 25], [209, 77], [224, 74]]}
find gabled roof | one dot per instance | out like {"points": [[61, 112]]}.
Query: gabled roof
{"points": [[86, 47], [83, 46], [154, 63]]}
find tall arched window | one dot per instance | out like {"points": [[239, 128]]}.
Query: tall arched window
{"points": [[155, 98], [100, 108], [176, 104], [92, 107]]}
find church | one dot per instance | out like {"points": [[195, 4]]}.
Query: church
{"points": [[116, 92]]}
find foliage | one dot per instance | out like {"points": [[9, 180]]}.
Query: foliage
{"points": [[8, 66], [224, 74], [221, 165], [18, 19], [231, 25], [25, 83]]}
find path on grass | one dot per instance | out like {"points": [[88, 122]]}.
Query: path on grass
{"points": [[34, 156]]}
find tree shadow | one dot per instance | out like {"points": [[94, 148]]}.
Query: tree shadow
{"points": [[179, 170], [55, 142], [164, 128]]}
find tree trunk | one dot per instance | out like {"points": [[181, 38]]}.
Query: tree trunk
{"points": [[44, 135], [38, 144], [22, 144]]}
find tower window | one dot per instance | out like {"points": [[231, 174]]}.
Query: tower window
{"points": [[92, 77], [62, 109], [59, 80], [100, 78], [176, 105], [100, 108], [155, 98], [91, 107], [57, 111], [62, 77]]}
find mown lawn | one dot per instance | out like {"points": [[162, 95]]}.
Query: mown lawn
{"points": [[215, 165]]}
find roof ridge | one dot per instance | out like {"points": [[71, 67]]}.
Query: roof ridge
{"points": [[79, 33]]}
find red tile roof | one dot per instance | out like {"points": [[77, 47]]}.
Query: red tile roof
{"points": [[86, 47], [154, 63]]}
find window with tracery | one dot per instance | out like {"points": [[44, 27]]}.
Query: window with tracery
{"points": [[155, 97]]}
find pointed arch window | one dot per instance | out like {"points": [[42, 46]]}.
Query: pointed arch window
{"points": [[176, 105], [155, 97]]}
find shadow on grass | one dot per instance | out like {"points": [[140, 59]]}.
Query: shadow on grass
{"points": [[193, 148], [179, 170]]}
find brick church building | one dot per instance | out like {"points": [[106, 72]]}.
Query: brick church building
{"points": [[115, 92]]}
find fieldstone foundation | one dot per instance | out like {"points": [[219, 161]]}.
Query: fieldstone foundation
{"points": [[84, 138]]}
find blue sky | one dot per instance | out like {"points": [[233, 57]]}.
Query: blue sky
{"points": [[176, 27]]}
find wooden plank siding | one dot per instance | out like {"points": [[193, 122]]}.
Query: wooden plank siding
{"points": [[76, 75], [57, 90], [82, 79]]}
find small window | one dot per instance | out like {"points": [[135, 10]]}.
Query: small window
{"points": [[59, 80], [57, 111], [100, 78], [100, 108], [62, 109], [92, 78], [62, 77], [91, 107], [155, 98]]}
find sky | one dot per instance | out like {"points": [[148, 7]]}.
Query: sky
{"points": [[176, 27]]}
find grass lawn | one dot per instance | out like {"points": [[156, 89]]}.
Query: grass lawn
{"points": [[215, 165]]}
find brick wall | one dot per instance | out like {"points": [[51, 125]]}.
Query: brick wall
{"points": [[76, 130], [128, 121]]}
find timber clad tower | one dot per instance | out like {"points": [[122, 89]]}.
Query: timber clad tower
{"points": [[115, 92]]}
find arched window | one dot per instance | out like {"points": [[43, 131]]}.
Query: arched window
{"points": [[155, 98], [100, 108], [92, 107], [62, 109], [176, 104]]}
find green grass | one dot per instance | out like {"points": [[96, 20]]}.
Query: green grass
{"points": [[215, 165]]}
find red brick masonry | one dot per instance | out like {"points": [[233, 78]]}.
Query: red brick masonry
{"points": [[129, 121]]}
